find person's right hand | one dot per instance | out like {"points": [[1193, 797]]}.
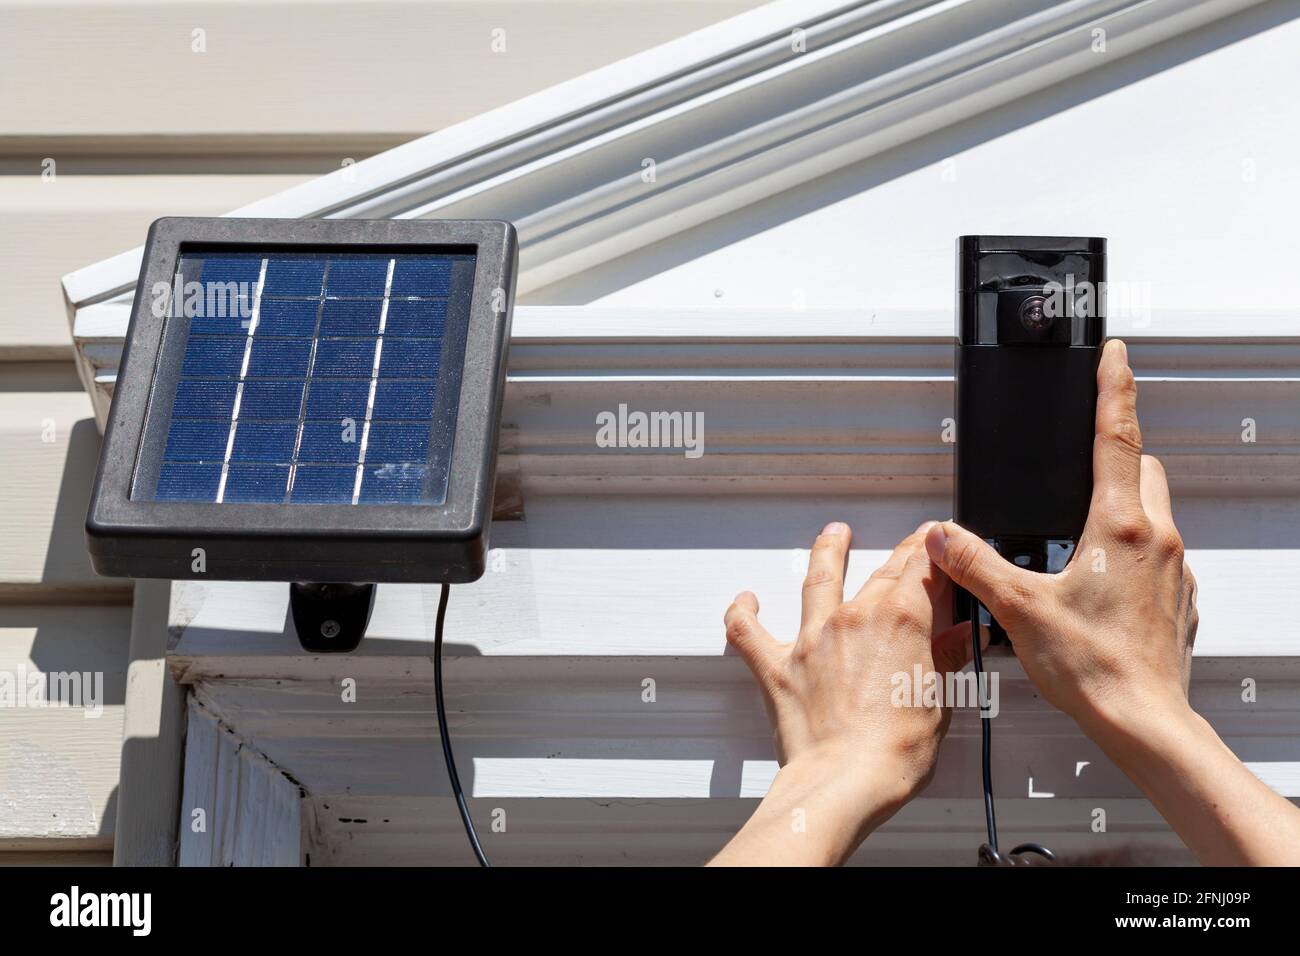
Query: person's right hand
{"points": [[1109, 639]]}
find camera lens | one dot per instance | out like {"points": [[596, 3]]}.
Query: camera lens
{"points": [[1033, 315]]}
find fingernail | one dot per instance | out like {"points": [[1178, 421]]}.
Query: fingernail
{"points": [[835, 527], [923, 526], [936, 539]]}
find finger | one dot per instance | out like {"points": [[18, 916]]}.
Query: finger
{"points": [[1117, 448], [751, 639], [907, 559], [951, 648], [823, 586], [1007, 591], [1155, 492]]}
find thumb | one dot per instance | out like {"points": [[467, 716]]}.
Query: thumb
{"points": [[951, 648], [972, 563]]}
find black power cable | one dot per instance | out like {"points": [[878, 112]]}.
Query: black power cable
{"points": [[988, 854], [986, 732], [446, 738]]}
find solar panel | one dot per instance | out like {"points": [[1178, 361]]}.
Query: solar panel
{"points": [[309, 378], [308, 401]]}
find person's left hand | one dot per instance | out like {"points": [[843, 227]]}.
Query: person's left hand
{"points": [[830, 693]]}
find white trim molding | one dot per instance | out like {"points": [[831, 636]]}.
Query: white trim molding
{"points": [[626, 781], [237, 808], [688, 131], [842, 401]]}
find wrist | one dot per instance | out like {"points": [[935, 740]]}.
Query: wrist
{"points": [[1127, 729], [851, 797]]}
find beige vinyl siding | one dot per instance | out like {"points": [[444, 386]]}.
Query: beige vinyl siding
{"points": [[117, 68], [54, 225], [50, 448], [56, 858], [58, 764]]}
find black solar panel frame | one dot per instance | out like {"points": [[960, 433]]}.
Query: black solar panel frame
{"points": [[413, 543]]}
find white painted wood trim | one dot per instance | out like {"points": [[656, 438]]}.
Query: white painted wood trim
{"points": [[729, 114], [838, 402], [148, 793], [249, 810], [587, 771]]}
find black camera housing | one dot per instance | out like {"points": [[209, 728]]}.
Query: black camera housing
{"points": [[1030, 327]]}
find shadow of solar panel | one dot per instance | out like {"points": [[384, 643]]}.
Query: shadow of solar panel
{"points": [[320, 384]]}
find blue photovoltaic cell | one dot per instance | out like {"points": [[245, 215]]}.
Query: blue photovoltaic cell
{"points": [[294, 277], [198, 400], [184, 481], [319, 484], [213, 356], [311, 378], [426, 278], [334, 401], [351, 317], [196, 441], [404, 399], [390, 484], [416, 317], [253, 483], [286, 317], [270, 400]]}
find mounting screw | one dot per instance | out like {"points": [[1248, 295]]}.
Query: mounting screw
{"points": [[330, 629]]}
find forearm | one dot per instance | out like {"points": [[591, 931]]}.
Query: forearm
{"points": [[812, 815], [1224, 813]]}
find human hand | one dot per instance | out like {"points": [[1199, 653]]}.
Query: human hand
{"points": [[1109, 639], [839, 736]]}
